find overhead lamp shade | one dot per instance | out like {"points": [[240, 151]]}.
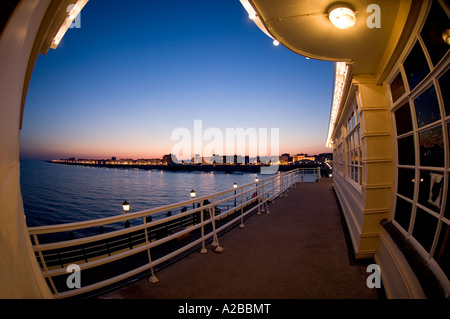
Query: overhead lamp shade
{"points": [[342, 17]]}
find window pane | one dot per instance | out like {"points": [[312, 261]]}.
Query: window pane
{"points": [[442, 252], [427, 107], [431, 34], [406, 151], [431, 147], [406, 178], [430, 189], [416, 66], [397, 87], [403, 119], [424, 228], [444, 83], [403, 213]]}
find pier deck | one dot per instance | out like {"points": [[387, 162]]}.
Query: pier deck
{"points": [[298, 251]]}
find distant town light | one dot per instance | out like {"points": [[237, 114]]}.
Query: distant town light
{"points": [[342, 17], [126, 207]]}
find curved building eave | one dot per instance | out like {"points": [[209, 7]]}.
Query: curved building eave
{"points": [[304, 28]]}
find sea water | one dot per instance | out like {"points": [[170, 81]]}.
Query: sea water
{"points": [[56, 194]]}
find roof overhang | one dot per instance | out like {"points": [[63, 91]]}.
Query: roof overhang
{"points": [[305, 28], [367, 49]]}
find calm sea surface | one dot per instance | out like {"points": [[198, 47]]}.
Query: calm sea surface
{"points": [[55, 194]]}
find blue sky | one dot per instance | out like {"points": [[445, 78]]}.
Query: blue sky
{"points": [[137, 70]]}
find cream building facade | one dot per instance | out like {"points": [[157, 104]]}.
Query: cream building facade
{"points": [[389, 127]]}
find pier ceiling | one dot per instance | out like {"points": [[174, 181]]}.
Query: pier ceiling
{"points": [[304, 27]]}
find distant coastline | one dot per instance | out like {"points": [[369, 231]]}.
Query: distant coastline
{"points": [[194, 167]]}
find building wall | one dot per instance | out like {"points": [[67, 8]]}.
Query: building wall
{"points": [[401, 216], [363, 182]]}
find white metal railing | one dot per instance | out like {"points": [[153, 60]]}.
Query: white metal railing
{"points": [[106, 258]]}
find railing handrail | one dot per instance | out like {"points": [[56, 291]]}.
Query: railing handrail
{"points": [[266, 189], [39, 230]]}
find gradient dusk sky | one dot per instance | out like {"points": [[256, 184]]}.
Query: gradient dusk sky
{"points": [[137, 70]]}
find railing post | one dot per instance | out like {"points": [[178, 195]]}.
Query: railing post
{"points": [[202, 218], [266, 202], [153, 279], [215, 242], [242, 209], [258, 195], [273, 189], [286, 186], [282, 185], [44, 265], [261, 196]]}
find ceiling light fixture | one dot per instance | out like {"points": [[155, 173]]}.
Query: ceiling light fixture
{"points": [[342, 17], [341, 72], [252, 15]]}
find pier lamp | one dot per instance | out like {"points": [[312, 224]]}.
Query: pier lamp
{"points": [[342, 17], [193, 194], [256, 179], [125, 207]]}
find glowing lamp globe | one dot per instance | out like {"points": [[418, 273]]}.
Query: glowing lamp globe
{"points": [[342, 17], [126, 206]]}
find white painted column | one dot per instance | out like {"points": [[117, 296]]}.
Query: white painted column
{"points": [[20, 275]]}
